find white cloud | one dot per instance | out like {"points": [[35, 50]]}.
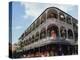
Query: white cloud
{"points": [[31, 9], [35, 9]]}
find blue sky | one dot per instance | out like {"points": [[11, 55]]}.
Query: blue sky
{"points": [[23, 14]]}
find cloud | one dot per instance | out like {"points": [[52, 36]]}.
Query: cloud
{"points": [[35, 9], [31, 9]]}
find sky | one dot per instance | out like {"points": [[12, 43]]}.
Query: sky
{"points": [[24, 13]]}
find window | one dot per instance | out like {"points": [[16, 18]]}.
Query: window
{"points": [[61, 16], [76, 36], [33, 26], [52, 28], [37, 22], [75, 27], [29, 40], [43, 34], [48, 33], [52, 14], [70, 34], [43, 18], [37, 36], [33, 38], [26, 42], [63, 32], [68, 18]]}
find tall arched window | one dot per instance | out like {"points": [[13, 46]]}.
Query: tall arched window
{"points": [[52, 13], [43, 33], [70, 34], [63, 32]]}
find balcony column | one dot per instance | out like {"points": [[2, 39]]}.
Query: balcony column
{"points": [[73, 36], [73, 30], [58, 25], [39, 29], [46, 23], [59, 32], [67, 33]]}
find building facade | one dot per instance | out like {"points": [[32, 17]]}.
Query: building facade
{"points": [[53, 33]]}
